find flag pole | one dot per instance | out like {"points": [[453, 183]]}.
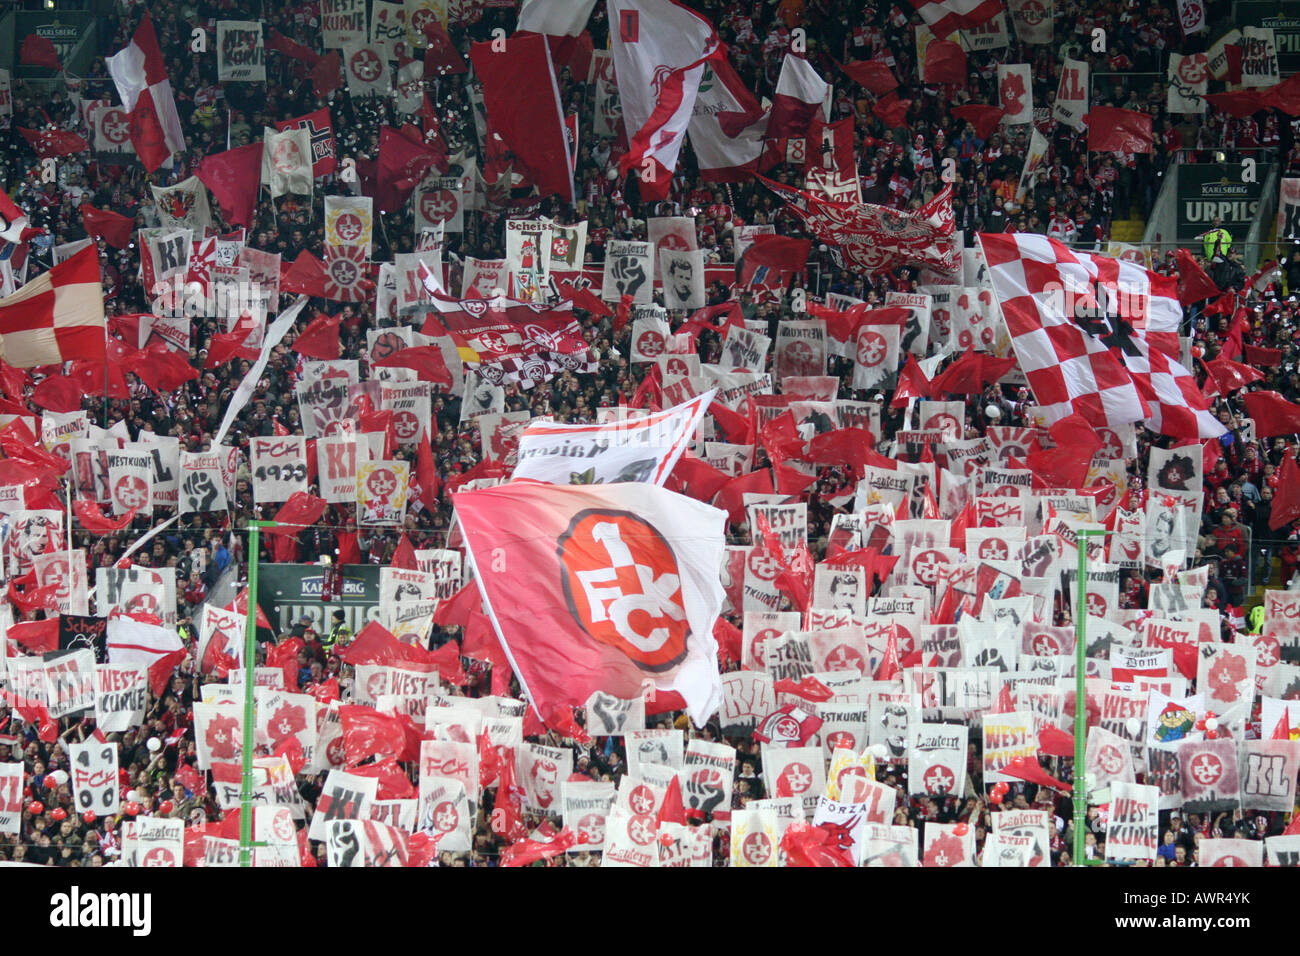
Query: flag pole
{"points": [[1081, 695], [250, 658]]}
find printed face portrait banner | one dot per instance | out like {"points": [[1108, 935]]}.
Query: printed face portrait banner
{"points": [[279, 468], [94, 778], [240, 53], [682, 273]]}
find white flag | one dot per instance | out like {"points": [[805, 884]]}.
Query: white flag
{"points": [[286, 161]]}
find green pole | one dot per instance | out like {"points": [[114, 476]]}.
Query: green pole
{"points": [[1081, 695], [250, 659]]}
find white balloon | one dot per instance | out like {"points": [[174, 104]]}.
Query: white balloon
{"points": [[1133, 725], [133, 795], [1212, 723], [154, 744], [60, 777], [879, 751], [993, 411]]}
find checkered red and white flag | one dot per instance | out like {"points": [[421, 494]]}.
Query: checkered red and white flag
{"points": [[1096, 336], [57, 316]]}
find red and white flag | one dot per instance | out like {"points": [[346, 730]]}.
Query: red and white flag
{"points": [[800, 93], [728, 127], [556, 17], [1191, 16], [140, 74], [1096, 336], [14, 225], [604, 587], [57, 317], [947, 16], [660, 49]]}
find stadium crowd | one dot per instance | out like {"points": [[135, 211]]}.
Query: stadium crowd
{"points": [[1075, 197]]}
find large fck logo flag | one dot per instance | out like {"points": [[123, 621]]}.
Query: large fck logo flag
{"points": [[601, 588]]}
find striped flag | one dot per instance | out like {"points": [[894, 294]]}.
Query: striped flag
{"points": [[140, 74], [56, 317]]}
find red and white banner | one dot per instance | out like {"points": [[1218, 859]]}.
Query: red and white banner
{"points": [[641, 449], [11, 797], [120, 696], [345, 796], [1131, 827], [1016, 93], [638, 593], [279, 467], [948, 844], [1216, 852]]}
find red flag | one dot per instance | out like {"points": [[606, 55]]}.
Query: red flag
{"points": [[1028, 768], [277, 41], [53, 143], [441, 55], [403, 162], [672, 810], [1286, 502], [970, 373], [798, 97], [873, 75], [807, 687], [58, 393], [224, 346], [1193, 284], [284, 655], [523, 106], [889, 667], [375, 644], [1055, 742], [984, 118], [327, 75], [92, 518], [807, 845], [1282, 729], [1112, 130], [731, 498], [912, 383], [161, 368], [527, 851], [301, 510], [946, 16], [1228, 376], [425, 360], [39, 51], [39, 637], [892, 110], [320, 340], [114, 228], [945, 62], [366, 732], [1258, 355], [1273, 415], [426, 473], [404, 555], [234, 177], [730, 639], [447, 660], [509, 824]]}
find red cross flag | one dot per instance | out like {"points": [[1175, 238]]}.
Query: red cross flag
{"points": [[1096, 336], [608, 588], [57, 317]]}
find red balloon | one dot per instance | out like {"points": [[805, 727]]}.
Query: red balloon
{"points": [[132, 808], [59, 814], [36, 807], [961, 829], [89, 816], [995, 798], [166, 807]]}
